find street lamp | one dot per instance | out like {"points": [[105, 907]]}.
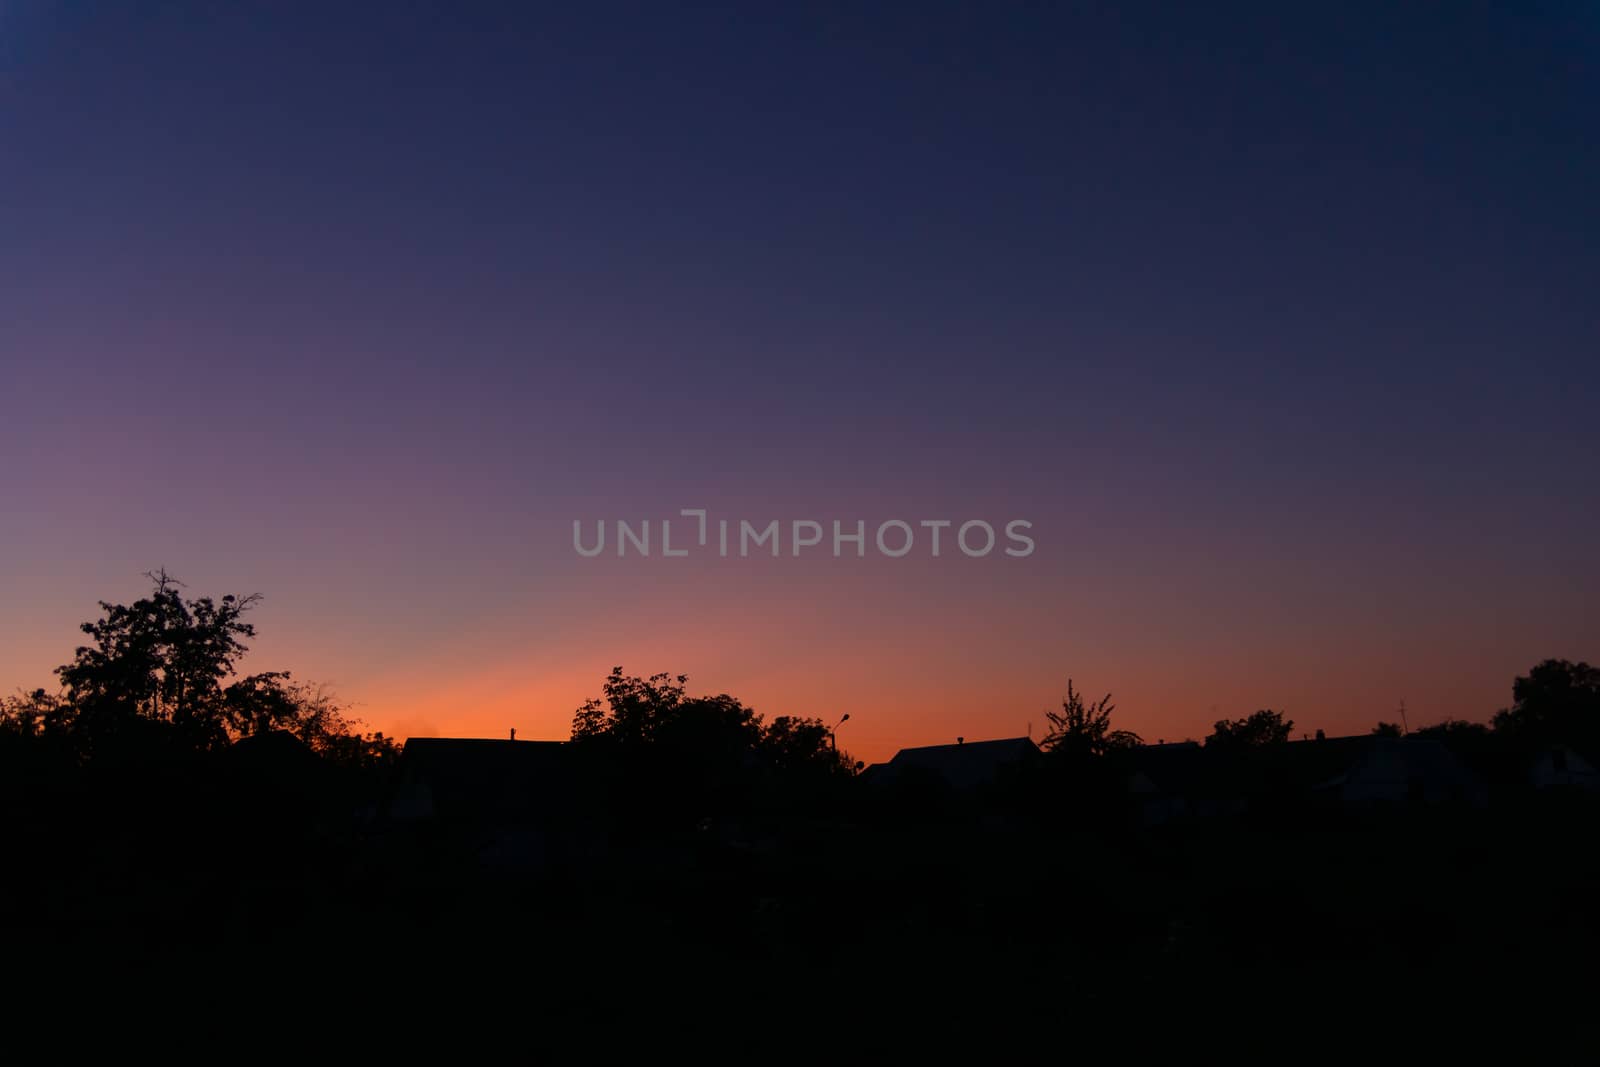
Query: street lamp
{"points": [[832, 736]]}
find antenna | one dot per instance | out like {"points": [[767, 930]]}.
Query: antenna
{"points": [[1405, 727]]}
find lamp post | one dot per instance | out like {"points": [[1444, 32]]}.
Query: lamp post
{"points": [[833, 737]]}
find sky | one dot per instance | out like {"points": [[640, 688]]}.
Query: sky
{"points": [[1277, 324]]}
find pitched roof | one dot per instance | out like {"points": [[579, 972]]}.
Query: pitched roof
{"points": [[475, 775], [272, 746], [275, 755], [965, 764], [1177, 767], [450, 754], [1318, 762], [1300, 765]]}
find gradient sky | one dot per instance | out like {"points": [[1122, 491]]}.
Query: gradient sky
{"points": [[1280, 325]]}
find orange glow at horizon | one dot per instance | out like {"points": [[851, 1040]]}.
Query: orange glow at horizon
{"points": [[915, 651]]}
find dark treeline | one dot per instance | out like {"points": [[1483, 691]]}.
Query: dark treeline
{"points": [[162, 810]]}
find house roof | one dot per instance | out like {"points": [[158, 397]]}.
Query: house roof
{"points": [[476, 774], [1331, 761], [1311, 764], [269, 745], [965, 764], [1300, 765], [445, 753], [1178, 767], [274, 754]]}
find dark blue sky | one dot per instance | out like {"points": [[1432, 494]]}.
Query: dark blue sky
{"points": [[1399, 202], [1179, 280]]}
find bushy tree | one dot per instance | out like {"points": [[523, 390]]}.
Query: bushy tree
{"points": [[160, 675], [1264, 728], [1473, 743], [794, 745], [657, 711], [1556, 702], [309, 712], [161, 659], [35, 715], [701, 741]]}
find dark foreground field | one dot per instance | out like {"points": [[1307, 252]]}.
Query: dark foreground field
{"points": [[861, 924]]}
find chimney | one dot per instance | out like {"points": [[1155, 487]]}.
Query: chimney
{"points": [[513, 733], [1321, 736]]}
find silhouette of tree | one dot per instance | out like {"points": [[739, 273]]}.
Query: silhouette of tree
{"points": [[711, 737], [1084, 729], [1452, 730], [790, 744], [1557, 701], [311, 713], [35, 715], [1265, 727], [259, 703], [36, 735], [1388, 729], [160, 659], [157, 676], [1474, 744], [657, 711]]}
